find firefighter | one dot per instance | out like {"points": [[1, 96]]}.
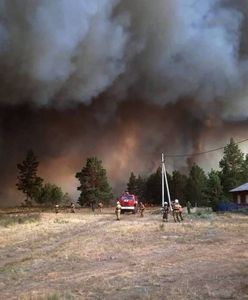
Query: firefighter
{"points": [[92, 204], [56, 208], [72, 208], [188, 207], [165, 212], [118, 211], [100, 206], [141, 209], [181, 212], [177, 211]]}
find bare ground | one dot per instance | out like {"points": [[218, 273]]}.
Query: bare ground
{"points": [[86, 256]]}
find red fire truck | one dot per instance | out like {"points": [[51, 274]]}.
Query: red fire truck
{"points": [[128, 202]]}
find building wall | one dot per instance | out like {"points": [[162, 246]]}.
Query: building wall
{"points": [[241, 198]]}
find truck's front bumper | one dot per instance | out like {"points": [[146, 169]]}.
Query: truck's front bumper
{"points": [[128, 207]]}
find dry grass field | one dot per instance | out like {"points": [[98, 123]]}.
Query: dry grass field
{"points": [[93, 256]]}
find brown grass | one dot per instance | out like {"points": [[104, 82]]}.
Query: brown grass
{"points": [[92, 256]]}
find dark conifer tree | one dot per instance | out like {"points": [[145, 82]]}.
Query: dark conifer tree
{"points": [[232, 167], [141, 188], [214, 191], [178, 186], [245, 169], [28, 181], [132, 184], [153, 187], [94, 184], [196, 186]]}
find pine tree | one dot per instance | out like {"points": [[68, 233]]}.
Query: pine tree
{"points": [[94, 184], [137, 186], [153, 187], [196, 186], [214, 189], [132, 184], [141, 188], [28, 181], [178, 186], [232, 167], [245, 169]]}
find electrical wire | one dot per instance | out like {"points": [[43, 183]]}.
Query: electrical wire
{"points": [[203, 152]]}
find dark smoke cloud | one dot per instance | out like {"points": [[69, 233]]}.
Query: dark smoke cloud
{"points": [[120, 79], [62, 51]]}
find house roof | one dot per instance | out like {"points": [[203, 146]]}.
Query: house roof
{"points": [[241, 188]]}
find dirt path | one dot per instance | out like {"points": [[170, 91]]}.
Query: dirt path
{"points": [[94, 257]]}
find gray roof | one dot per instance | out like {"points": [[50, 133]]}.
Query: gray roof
{"points": [[241, 188]]}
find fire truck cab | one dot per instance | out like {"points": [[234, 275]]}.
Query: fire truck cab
{"points": [[128, 202]]}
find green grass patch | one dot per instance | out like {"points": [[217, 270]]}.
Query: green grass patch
{"points": [[203, 214], [61, 221], [241, 211], [57, 296], [10, 220], [53, 297]]}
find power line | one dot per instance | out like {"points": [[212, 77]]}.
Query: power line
{"points": [[203, 152]]}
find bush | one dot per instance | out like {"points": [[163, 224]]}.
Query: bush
{"points": [[49, 194], [203, 213]]}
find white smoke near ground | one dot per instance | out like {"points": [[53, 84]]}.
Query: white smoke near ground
{"points": [[66, 51]]}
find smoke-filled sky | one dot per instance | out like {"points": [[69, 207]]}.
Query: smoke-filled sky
{"points": [[120, 79]]}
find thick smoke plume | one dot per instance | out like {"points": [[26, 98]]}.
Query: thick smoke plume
{"points": [[73, 50], [115, 78]]}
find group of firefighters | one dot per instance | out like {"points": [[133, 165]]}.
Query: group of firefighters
{"points": [[72, 206], [118, 210], [177, 211], [176, 208]]}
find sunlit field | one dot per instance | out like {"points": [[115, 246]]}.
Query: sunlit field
{"points": [[92, 256]]}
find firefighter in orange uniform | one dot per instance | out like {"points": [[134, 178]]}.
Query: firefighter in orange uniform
{"points": [[141, 209], [177, 211], [118, 211], [100, 206], [72, 208]]}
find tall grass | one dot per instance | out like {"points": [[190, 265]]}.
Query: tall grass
{"points": [[10, 220]]}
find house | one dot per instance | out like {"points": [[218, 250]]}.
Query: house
{"points": [[240, 194]]}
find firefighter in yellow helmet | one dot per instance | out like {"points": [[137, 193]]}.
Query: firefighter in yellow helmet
{"points": [[165, 211], [56, 208]]}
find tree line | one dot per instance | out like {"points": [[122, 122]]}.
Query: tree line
{"points": [[33, 185], [199, 188], [94, 186]]}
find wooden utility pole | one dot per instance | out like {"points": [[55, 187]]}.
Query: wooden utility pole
{"points": [[164, 179]]}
